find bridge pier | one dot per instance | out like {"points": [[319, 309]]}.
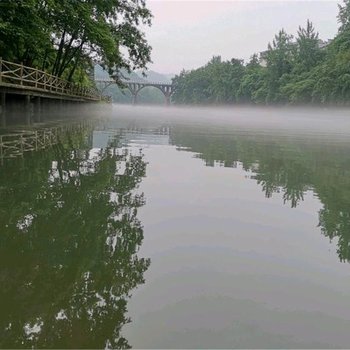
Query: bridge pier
{"points": [[29, 110], [167, 91], [134, 98], [134, 89], [37, 110]]}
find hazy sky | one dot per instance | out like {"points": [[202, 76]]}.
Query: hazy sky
{"points": [[186, 34]]}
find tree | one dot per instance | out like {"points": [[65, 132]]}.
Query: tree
{"points": [[301, 71], [99, 30], [67, 36], [24, 32], [252, 87], [344, 16], [279, 63], [308, 53], [217, 82]]}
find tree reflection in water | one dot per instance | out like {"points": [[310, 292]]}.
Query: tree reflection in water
{"points": [[68, 246], [286, 164]]}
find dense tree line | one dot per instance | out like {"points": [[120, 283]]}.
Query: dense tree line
{"points": [[292, 70], [64, 37]]}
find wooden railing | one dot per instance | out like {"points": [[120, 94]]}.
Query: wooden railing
{"points": [[19, 76], [16, 143]]}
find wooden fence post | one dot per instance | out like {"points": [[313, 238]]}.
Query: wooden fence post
{"points": [[21, 74], [38, 109]]}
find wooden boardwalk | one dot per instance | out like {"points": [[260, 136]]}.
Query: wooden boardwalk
{"points": [[18, 79]]}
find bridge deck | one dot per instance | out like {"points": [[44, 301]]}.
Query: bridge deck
{"points": [[141, 82]]}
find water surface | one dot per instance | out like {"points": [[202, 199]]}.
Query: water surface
{"points": [[177, 228]]}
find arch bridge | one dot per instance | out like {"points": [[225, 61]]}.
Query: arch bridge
{"points": [[135, 86]]}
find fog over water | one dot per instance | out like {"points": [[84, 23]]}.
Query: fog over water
{"points": [[156, 227], [330, 122], [230, 266]]}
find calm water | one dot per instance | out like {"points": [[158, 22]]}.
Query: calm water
{"points": [[177, 228]]}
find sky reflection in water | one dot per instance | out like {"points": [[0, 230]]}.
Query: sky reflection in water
{"points": [[243, 252]]}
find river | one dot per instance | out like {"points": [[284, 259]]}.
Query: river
{"points": [[180, 228]]}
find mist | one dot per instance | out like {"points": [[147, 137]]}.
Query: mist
{"points": [[292, 120]]}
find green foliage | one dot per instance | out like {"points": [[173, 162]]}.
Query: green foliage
{"points": [[24, 33], [253, 84], [301, 71], [279, 63], [308, 52], [299, 90], [215, 83], [344, 16], [66, 36], [81, 206]]}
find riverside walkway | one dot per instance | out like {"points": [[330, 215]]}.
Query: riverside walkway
{"points": [[21, 80], [29, 91]]}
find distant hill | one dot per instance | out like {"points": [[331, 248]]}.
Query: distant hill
{"points": [[100, 73], [155, 77], [170, 76], [151, 75]]}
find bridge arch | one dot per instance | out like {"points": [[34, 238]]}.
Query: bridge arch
{"points": [[166, 89]]}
